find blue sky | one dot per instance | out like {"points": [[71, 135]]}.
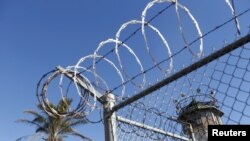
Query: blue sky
{"points": [[37, 35]]}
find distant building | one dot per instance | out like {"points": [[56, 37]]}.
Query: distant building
{"points": [[199, 114]]}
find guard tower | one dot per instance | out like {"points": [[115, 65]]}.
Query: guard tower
{"points": [[197, 112]]}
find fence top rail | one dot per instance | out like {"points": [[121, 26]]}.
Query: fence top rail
{"points": [[236, 44]]}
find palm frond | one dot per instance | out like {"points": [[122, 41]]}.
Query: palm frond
{"points": [[55, 128], [38, 118], [63, 105], [42, 130], [65, 128], [29, 122], [41, 120], [40, 107], [35, 114]]}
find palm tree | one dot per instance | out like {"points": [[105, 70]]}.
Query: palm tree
{"points": [[56, 128]]}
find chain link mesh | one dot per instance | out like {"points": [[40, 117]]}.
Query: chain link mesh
{"points": [[220, 88]]}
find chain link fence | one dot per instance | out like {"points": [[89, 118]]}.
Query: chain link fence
{"points": [[146, 93], [214, 93]]}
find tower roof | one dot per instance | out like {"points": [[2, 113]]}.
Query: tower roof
{"points": [[197, 106]]}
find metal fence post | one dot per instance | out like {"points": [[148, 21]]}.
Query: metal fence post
{"points": [[109, 119]]}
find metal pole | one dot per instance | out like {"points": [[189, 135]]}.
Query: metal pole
{"points": [[80, 81], [109, 120], [192, 132], [108, 102]]}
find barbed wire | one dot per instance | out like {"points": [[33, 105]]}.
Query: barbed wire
{"points": [[42, 96], [96, 81], [182, 49], [131, 35], [221, 85]]}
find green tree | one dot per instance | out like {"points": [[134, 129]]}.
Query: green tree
{"points": [[55, 128]]}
